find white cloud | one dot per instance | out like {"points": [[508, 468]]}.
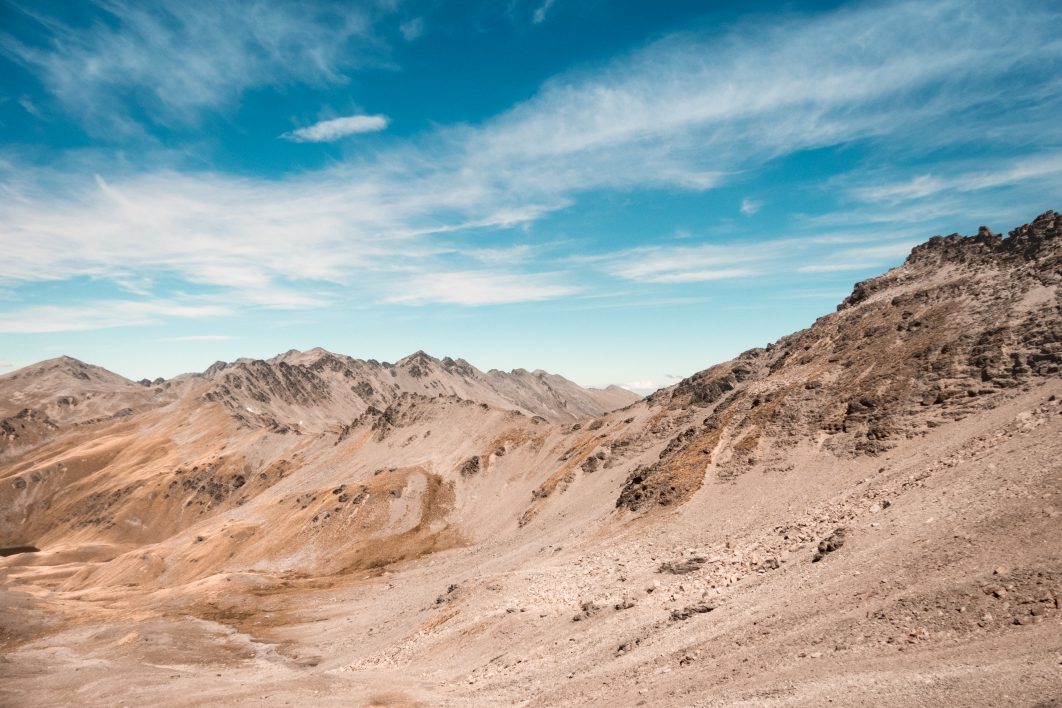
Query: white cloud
{"points": [[480, 288], [5, 364], [684, 264], [336, 128], [101, 314], [964, 180], [200, 338], [541, 11], [509, 256], [819, 253], [412, 29], [914, 188], [750, 206], [29, 107], [263, 239], [687, 112], [642, 388], [865, 258], [699, 276]]}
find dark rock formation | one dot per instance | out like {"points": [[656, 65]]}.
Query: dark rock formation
{"points": [[829, 544]]}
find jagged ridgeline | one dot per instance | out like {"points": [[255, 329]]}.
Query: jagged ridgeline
{"points": [[293, 388], [961, 324]]}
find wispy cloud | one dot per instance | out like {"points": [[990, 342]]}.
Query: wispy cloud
{"points": [[642, 388], [172, 59], [847, 259], [689, 112], [329, 130], [480, 288], [750, 206], [412, 29], [5, 364], [686, 113], [509, 256], [695, 275], [200, 338], [102, 314], [684, 264], [541, 11], [821, 253], [30, 107], [964, 180]]}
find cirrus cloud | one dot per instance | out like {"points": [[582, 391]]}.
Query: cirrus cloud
{"points": [[480, 288], [169, 61]]}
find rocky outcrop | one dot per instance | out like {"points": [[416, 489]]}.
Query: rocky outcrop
{"points": [[27, 427], [470, 467], [956, 328], [830, 544]]}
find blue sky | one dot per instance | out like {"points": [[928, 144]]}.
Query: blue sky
{"points": [[621, 192]]}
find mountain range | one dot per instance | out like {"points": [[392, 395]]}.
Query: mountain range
{"points": [[864, 512]]}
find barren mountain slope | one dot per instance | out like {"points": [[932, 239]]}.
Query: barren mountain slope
{"points": [[65, 390], [150, 445], [864, 513]]}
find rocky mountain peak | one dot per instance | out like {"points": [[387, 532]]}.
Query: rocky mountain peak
{"points": [[418, 357], [955, 330], [66, 367], [459, 367], [1030, 242], [1031, 253]]}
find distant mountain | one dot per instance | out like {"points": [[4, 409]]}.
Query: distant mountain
{"points": [[64, 390], [318, 388], [292, 392]]}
